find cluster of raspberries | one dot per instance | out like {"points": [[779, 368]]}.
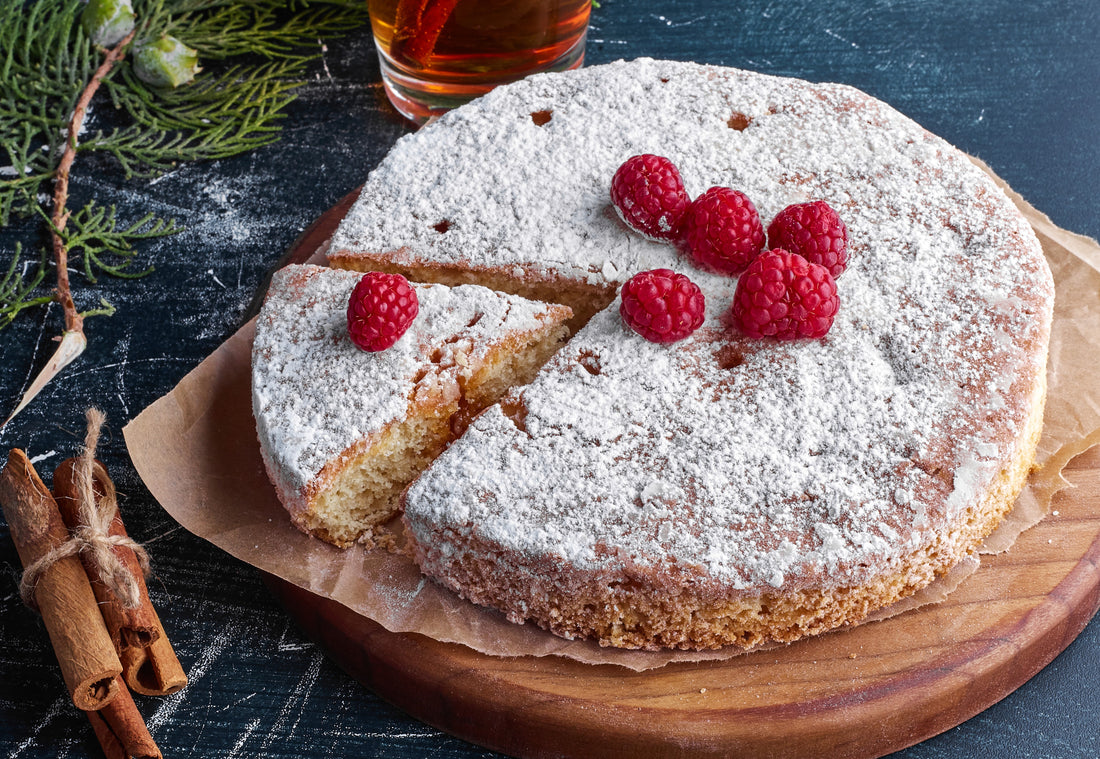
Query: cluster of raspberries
{"points": [[785, 292]]}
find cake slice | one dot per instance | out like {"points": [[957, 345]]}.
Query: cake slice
{"points": [[342, 431]]}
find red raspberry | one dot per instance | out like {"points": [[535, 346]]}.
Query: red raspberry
{"points": [[381, 308], [649, 195], [814, 231], [783, 295], [662, 306], [722, 230]]}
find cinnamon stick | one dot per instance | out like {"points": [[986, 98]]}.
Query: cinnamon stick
{"points": [[120, 729], [149, 663], [154, 670], [62, 593], [136, 626]]}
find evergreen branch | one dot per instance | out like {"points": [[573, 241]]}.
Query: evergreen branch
{"points": [[15, 286], [28, 169], [237, 94], [219, 29], [93, 233], [105, 309], [46, 61], [215, 116], [73, 320], [49, 75], [142, 153], [73, 341], [44, 64]]}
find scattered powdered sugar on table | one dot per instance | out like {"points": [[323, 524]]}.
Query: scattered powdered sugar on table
{"points": [[762, 464]]}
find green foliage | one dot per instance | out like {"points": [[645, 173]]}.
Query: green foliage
{"points": [[93, 234], [254, 54], [16, 287], [45, 63], [216, 116]]}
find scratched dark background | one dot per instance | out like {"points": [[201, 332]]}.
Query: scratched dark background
{"points": [[1017, 84]]}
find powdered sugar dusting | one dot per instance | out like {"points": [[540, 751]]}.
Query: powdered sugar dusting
{"points": [[813, 463], [315, 394]]}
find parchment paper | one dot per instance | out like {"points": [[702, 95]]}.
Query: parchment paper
{"points": [[197, 452]]}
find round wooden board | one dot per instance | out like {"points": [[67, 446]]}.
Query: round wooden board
{"points": [[862, 692]]}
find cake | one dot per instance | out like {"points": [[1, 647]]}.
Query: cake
{"points": [[719, 490], [342, 431]]}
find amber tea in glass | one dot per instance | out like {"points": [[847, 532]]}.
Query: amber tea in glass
{"points": [[437, 54]]}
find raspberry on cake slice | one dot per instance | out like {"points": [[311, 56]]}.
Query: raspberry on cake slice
{"points": [[342, 430]]}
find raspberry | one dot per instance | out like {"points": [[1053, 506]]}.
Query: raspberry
{"points": [[814, 231], [662, 306], [649, 195], [381, 308], [783, 295], [722, 230]]}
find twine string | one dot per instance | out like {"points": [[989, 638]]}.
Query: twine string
{"points": [[91, 538]]}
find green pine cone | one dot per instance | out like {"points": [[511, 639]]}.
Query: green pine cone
{"points": [[166, 62], [106, 22]]}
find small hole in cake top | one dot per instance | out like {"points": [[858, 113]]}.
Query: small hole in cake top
{"points": [[475, 320], [729, 357], [591, 362], [664, 80], [542, 117], [442, 226], [739, 121]]}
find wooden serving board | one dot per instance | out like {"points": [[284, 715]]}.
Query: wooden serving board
{"points": [[862, 692]]}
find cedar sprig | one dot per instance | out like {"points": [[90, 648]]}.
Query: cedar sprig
{"points": [[25, 173], [142, 152], [258, 28], [254, 52], [45, 62], [94, 232], [216, 116], [16, 287], [256, 93]]}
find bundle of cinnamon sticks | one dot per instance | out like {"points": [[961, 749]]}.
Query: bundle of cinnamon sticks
{"points": [[86, 577]]}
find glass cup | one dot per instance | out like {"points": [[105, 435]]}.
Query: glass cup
{"points": [[438, 54]]}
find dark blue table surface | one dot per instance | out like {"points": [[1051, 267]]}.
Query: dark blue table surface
{"points": [[1016, 84]]}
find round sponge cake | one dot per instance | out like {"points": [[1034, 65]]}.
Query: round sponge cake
{"points": [[719, 490]]}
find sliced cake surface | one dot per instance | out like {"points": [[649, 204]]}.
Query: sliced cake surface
{"points": [[343, 431]]}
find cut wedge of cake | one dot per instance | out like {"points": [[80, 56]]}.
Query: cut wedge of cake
{"points": [[343, 431]]}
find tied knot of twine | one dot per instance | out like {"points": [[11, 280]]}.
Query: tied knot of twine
{"points": [[91, 538]]}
